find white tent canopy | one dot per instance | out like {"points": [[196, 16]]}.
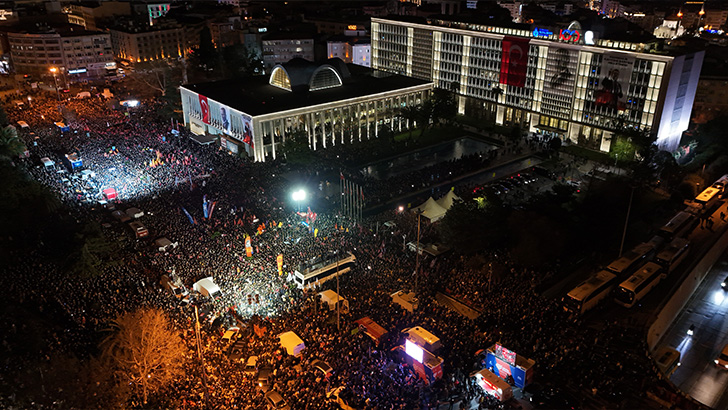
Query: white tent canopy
{"points": [[447, 200], [431, 210]]}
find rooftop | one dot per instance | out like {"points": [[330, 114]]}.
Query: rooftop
{"points": [[255, 96]]}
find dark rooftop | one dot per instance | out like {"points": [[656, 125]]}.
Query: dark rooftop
{"points": [[254, 96]]}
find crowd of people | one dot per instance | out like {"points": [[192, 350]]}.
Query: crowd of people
{"points": [[168, 176]]}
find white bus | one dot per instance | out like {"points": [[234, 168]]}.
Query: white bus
{"points": [[708, 198], [680, 225], [639, 284], [632, 260], [670, 257], [721, 183], [324, 269], [590, 292], [668, 360]]}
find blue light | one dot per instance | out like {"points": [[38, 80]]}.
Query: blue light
{"points": [[541, 32]]}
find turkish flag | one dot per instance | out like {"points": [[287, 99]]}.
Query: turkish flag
{"points": [[205, 108], [514, 61]]}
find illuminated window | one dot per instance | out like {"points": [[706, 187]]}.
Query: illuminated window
{"points": [[279, 78], [324, 77]]}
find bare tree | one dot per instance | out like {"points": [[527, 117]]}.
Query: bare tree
{"points": [[158, 75], [144, 351]]}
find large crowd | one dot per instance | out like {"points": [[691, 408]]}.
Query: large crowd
{"points": [[166, 174]]}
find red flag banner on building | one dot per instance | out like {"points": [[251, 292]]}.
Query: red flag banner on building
{"points": [[514, 61], [205, 109]]}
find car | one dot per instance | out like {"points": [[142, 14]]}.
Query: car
{"points": [[173, 283], [345, 398], [164, 245], [724, 284], [134, 213], [722, 360], [323, 367], [236, 350], [251, 366], [264, 374], [276, 401], [139, 230], [120, 216], [538, 170]]}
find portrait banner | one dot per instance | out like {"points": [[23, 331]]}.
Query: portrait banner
{"points": [[616, 72]]}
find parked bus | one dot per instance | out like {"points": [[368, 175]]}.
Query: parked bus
{"points": [[324, 269], [721, 183], [590, 292], [680, 225], [670, 257], [627, 264], [668, 360], [640, 284], [708, 198]]}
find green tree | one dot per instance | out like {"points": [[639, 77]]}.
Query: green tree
{"points": [[473, 228], [144, 351], [241, 61], [444, 105], [92, 253], [10, 144], [3, 117], [411, 114], [296, 149]]}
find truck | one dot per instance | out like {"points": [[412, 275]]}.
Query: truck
{"points": [[332, 298]]}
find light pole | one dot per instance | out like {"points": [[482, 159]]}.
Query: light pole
{"points": [[54, 70], [417, 256]]}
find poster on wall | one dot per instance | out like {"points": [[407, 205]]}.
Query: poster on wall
{"points": [[225, 120], [514, 61], [248, 130], [204, 109], [615, 73], [560, 70]]}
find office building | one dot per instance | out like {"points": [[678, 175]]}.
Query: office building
{"points": [[330, 103], [564, 82]]}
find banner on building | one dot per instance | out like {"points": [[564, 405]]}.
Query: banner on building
{"points": [[514, 61], [204, 109], [561, 65], [615, 74], [225, 120], [248, 130]]}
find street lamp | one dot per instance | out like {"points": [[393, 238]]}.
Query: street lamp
{"points": [[54, 70], [299, 196]]}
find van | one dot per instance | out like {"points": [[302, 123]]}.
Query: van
{"points": [[207, 287], [423, 338], [668, 360], [139, 230], [331, 298], [292, 343]]}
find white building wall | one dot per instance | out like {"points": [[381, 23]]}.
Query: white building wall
{"points": [[361, 55], [678, 100]]}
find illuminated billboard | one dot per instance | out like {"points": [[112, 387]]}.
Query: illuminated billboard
{"points": [[413, 350]]}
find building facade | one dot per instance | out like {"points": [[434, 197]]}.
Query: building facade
{"points": [[149, 43], [325, 102], [78, 55], [90, 15], [564, 83], [279, 48]]}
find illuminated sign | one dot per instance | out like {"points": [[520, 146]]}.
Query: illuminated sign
{"points": [[413, 350], [4, 14], [262, 29], [352, 27], [542, 32], [571, 36], [77, 71], [589, 37]]}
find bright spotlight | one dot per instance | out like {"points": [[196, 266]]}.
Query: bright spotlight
{"points": [[299, 195]]}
